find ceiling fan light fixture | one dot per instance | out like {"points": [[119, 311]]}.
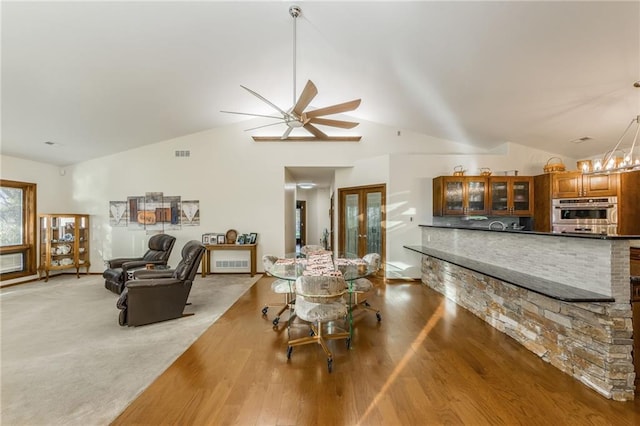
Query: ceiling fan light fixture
{"points": [[306, 185], [297, 116]]}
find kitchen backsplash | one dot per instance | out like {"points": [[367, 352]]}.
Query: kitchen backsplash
{"points": [[483, 221]]}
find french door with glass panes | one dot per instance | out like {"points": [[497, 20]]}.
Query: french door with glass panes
{"points": [[362, 220]]}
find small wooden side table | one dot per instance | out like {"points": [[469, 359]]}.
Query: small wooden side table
{"points": [[206, 259]]}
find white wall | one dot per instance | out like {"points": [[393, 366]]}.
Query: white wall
{"points": [[55, 185], [241, 184]]}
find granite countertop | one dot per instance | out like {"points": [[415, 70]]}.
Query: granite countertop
{"points": [[535, 284], [551, 234]]}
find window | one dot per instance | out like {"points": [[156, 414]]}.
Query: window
{"points": [[17, 229]]}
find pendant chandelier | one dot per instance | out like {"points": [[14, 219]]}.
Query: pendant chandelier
{"points": [[618, 160]]}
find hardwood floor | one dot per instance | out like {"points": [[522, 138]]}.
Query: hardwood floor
{"points": [[428, 362]]}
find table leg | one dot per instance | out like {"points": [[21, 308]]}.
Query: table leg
{"points": [[206, 259], [253, 261]]}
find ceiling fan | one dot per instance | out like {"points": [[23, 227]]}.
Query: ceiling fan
{"points": [[296, 116]]}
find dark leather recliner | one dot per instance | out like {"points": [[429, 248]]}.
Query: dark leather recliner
{"points": [[154, 297], [116, 275]]}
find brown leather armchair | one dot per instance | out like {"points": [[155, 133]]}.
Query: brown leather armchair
{"points": [[154, 297], [116, 275]]}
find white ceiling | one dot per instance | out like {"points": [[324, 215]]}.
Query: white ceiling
{"points": [[102, 77]]}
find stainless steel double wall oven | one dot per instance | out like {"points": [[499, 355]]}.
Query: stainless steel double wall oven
{"points": [[585, 215]]}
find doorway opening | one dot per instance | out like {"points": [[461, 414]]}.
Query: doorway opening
{"points": [[301, 224]]}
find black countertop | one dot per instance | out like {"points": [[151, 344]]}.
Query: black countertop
{"points": [[551, 234], [542, 286]]}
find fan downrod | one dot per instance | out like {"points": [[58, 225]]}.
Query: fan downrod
{"points": [[295, 11]]}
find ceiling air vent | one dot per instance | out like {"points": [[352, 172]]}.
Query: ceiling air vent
{"points": [[183, 153], [582, 139]]}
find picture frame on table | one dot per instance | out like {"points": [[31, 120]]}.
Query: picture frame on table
{"points": [[213, 239], [205, 239], [221, 239], [241, 239], [253, 238]]}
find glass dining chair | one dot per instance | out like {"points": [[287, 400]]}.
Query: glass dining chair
{"points": [[320, 301]]}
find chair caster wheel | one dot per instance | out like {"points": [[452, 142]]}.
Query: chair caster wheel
{"points": [[289, 350], [366, 304], [349, 343], [378, 316], [330, 364], [264, 310], [276, 321], [311, 333]]}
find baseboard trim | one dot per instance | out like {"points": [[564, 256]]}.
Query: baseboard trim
{"points": [[402, 280]]}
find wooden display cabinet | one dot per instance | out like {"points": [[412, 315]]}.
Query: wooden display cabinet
{"points": [[460, 195], [575, 184], [64, 243], [511, 195]]}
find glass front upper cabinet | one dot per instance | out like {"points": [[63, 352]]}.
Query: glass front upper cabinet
{"points": [[460, 195], [511, 195]]}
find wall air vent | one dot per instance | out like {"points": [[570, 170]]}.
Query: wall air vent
{"points": [[234, 264], [183, 153]]}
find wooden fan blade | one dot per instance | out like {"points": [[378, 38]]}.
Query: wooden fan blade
{"points": [[265, 100], [253, 115], [334, 123], [308, 93], [286, 133], [315, 131], [335, 109]]}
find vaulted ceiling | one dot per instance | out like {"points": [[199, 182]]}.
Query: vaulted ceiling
{"points": [[101, 77]]}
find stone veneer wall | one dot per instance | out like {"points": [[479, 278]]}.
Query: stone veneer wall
{"points": [[590, 341], [601, 266]]}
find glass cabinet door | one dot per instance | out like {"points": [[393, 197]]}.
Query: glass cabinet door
{"points": [[499, 196], [82, 241], [476, 193], [454, 197], [521, 196]]}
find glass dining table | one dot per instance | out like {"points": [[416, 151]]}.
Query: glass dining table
{"points": [[348, 266]]}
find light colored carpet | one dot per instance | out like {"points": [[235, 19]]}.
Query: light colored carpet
{"points": [[66, 361]]}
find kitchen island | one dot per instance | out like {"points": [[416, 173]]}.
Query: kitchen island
{"points": [[565, 297]]}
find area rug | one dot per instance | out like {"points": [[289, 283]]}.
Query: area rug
{"points": [[66, 361]]}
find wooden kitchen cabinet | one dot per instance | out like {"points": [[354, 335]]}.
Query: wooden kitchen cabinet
{"points": [[567, 185], [634, 266], [460, 195], [64, 243], [511, 195], [575, 184], [629, 204]]}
